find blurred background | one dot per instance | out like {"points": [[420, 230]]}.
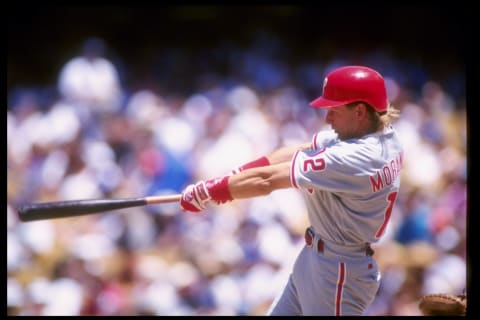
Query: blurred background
{"points": [[117, 101]]}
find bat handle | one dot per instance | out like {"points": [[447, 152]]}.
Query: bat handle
{"points": [[163, 199]]}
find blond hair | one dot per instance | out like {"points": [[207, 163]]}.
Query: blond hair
{"points": [[379, 119], [388, 116]]}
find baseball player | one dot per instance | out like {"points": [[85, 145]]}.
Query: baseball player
{"points": [[350, 176]]}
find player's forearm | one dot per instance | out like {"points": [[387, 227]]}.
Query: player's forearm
{"points": [[260, 181]]}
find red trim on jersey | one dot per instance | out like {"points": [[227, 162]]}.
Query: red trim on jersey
{"points": [[292, 171], [315, 141], [340, 283]]}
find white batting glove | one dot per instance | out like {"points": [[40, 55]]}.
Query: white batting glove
{"points": [[195, 197]]}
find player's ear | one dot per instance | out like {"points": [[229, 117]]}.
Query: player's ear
{"points": [[361, 110]]}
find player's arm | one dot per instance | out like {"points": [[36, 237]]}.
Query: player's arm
{"points": [[278, 156], [256, 178], [246, 184], [260, 181]]}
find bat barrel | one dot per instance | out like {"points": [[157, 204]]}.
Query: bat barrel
{"points": [[62, 209]]}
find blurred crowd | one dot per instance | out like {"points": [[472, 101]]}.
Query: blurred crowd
{"points": [[103, 135]]}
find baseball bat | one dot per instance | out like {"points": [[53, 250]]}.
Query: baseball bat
{"points": [[73, 208]]}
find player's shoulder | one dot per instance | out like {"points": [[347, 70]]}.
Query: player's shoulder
{"points": [[363, 148], [324, 138], [353, 147]]}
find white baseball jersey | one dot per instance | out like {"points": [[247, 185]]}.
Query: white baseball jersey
{"points": [[350, 185]]}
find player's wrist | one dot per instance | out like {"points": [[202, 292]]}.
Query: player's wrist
{"points": [[218, 189]]}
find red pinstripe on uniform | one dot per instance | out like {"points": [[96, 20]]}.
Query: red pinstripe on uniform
{"points": [[315, 141], [292, 170], [340, 283]]}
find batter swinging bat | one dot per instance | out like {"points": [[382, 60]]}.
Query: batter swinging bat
{"points": [[73, 208]]}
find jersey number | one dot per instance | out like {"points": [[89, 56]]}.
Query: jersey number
{"points": [[317, 164], [391, 201]]}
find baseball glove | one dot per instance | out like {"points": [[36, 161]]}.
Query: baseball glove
{"points": [[443, 304]]}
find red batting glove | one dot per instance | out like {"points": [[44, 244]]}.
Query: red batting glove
{"points": [[195, 197]]}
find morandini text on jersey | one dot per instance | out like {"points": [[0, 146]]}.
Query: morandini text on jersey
{"points": [[387, 174]]}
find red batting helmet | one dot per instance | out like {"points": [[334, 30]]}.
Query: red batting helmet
{"points": [[353, 83]]}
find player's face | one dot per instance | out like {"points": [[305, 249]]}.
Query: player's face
{"points": [[343, 121]]}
